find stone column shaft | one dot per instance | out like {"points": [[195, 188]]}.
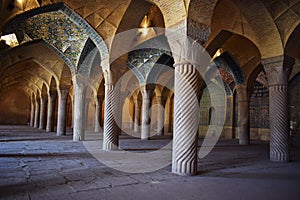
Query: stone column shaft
{"points": [[51, 111], [146, 113], [137, 113], [79, 110], [161, 115], [62, 112], [32, 114], [243, 103], [186, 119], [37, 113], [87, 104], [278, 71], [43, 112], [98, 113]]}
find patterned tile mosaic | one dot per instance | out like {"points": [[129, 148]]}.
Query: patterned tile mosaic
{"points": [[56, 29]]}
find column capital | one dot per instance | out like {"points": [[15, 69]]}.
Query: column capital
{"points": [[278, 69], [184, 47], [147, 91], [198, 31], [243, 94], [63, 93], [109, 78]]}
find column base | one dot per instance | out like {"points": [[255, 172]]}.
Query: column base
{"points": [[279, 157], [110, 147], [244, 142], [184, 172]]}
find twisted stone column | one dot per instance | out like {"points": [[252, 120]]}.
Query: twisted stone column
{"points": [[62, 112], [186, 119], [51, 111], [146, 120], [278, 70], [137, 113], [32, 114], [79, 109], [98, 113], [161, 115], [243, 104], [43, 112], [37, 113], [111, 130]]}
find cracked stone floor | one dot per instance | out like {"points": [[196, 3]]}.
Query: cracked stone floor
{"points": [[39, 165]]}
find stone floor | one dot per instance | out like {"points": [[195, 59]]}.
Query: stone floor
{"points": [[39, 165]]}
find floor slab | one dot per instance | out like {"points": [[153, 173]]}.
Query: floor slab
{"points": [[39, 165]]}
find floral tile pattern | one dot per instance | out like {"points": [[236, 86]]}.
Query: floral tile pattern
{"points": [[59, 31]]}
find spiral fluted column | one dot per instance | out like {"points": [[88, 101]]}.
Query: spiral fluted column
{"points": [[62, 112], [37, 113], [43, 113], [98, 113], [243, 104], [146, 113], [51, 111], [137, 114], [111, 129], [278, 71], [186, 119], [80, 88], [32, 114]]}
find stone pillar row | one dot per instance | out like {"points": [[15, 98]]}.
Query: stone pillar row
{"points": [[43, 111]]}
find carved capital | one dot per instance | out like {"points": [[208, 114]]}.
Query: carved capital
{"points": [[198, 31], [243, 94], [64, 94], [147, 92], [108, 77], [278, 69]]}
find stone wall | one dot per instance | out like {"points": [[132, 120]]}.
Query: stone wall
{"points": [[14, 108], [259, 112]]}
